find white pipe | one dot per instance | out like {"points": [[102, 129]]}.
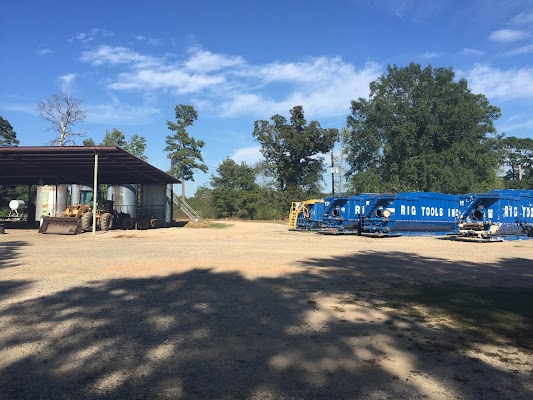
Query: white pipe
{"points": [[95, 191]]}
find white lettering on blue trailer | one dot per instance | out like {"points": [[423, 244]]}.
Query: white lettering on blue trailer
{"points": [[490, 213], [406, 210], [453, 212], [432, 212], [527, 212]]}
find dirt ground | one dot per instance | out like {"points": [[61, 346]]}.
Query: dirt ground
{"points": [[254, 311]]}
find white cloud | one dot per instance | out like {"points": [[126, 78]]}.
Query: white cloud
{"points": [[528, 49], [118, 55], [323, 86], [431, 54], [502, 84], [120, 113], [523, 19], [177, 80], [507, 35], [205, 61], [150, 41], [87, 37], [471, 52], [228, 86], [44, 52], [249, 155], [517, 124], [66, 81]]}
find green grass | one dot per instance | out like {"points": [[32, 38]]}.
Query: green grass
{"points": [[219, 225], [483, 312]]}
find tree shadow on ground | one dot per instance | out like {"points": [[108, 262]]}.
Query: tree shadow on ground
{"points": [[9, 253], [207, 335]]}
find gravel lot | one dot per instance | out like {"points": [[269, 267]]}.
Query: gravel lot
{"points": [[252, 311]]}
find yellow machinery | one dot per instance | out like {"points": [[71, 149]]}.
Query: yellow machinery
{"points": [[299, 208]]}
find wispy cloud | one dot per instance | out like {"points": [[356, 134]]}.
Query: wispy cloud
{"points": [[501, 84], [527, 49], [88, 37], [148, 40], [249, 155], [45, 52], [431, 54], [471, 52], [523, 19], [118, 55], [66, 81], [507, 35], [229, 86], [124, 114]]}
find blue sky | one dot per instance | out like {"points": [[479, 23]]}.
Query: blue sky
{"points": [[131, 62]]}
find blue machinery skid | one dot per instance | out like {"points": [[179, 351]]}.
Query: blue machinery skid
{"points": [[495, 216]]}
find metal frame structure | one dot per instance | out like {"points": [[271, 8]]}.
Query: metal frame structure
{"points": [[76, 165]]}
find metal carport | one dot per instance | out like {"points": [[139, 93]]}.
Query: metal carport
{"points": [[76, 165]]}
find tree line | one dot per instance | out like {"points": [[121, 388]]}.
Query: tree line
{"points": [[420, 129]]}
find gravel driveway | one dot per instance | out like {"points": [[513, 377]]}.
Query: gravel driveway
{"points": [[252, 311]]}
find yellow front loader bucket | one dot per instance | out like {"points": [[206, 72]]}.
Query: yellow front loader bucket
{"points": [[61, 225]]}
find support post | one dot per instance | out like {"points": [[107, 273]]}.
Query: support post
{"points": [[95, 191], [332, 175]]}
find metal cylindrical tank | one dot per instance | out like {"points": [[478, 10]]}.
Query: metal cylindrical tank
{"points": [[51, 201], [16, 204], [75, 193], [154, 201], [124, 198]]}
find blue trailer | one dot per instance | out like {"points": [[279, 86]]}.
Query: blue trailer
{"points": [[306, 215], [413, 214], [342, 215], [496, 216]]}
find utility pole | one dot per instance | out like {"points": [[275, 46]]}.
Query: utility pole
{"points": [[332, 175]]}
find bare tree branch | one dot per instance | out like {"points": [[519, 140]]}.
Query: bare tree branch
{"points": [[62, 111]]}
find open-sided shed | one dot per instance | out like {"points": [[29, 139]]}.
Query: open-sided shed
{"points": [[76, 164]]}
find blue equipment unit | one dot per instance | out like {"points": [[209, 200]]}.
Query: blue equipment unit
{"points": [[310, 216], [497, 215], [412, 213], [342, 215]]}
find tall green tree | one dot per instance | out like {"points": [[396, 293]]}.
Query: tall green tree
{"points": [[235, 191], [8, 137], [421, 129], [517, 158], [292, 150], [183, 150], [115, 138], [137, 146]]}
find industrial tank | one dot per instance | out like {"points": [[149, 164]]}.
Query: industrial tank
{"points": [[124, 198], [51, 201]]}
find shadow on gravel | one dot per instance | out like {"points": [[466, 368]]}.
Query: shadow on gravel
{"points": [[206, 335], [9, 253]]}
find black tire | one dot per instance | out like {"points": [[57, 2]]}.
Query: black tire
{"points": [[128, 224], [143, 224], [105, 221], [87, 222]]}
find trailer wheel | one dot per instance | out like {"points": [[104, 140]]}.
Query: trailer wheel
{"points": [[143, 224], [105, 221], [128, 224], [87, 221]]}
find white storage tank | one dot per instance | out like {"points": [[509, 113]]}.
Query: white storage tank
{"points": [[124, 198], [51, 201]]}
